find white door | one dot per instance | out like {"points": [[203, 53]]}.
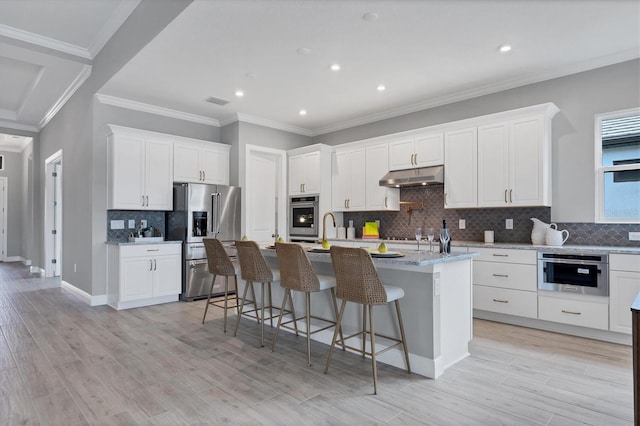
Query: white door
{"points": [[3, 218], [57, 218], [53, 215], [265, 212]]}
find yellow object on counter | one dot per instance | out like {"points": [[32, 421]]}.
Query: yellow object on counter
{"points": [[370, 230]]}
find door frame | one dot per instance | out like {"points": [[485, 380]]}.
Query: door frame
{"points": [[49, 185], [281, 186], [4, 182]]}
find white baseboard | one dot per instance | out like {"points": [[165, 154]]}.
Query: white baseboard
{"points": [[27, 262], [90, 300], [13, 259], [36, 270]]}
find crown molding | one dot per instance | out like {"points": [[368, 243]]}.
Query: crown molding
{"points": [[246, 118], [532, 78], [7, 114], [18, 126], [82, 76], [46, 42], [11, 148], [152, 109], [112, 25]]}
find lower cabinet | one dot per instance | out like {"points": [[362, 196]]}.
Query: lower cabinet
{"points": [[505, 301], [624, 286], [143, 275], [583, 313]]}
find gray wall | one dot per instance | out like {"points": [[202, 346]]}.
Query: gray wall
{"points": [[27, 203], [13, 172], [580, 97], [229, 135]]}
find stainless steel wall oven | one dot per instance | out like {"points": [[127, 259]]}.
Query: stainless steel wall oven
{"points": [[571, 272], [303, 216]]}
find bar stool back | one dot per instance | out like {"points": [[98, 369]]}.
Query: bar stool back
{"points": [[254, 269], [219, 264], [297, 274], [358, 282]]}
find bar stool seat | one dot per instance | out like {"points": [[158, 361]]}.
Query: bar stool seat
{"points": [[297, 274], [358, 282], [219, 264], [254, 269]]}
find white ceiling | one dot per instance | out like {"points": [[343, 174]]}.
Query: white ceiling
{"points": [[426, 53]]}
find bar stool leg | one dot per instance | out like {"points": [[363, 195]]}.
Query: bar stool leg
{"points": [[235, 279], [404, 340], [335, 335], [262, 315], [206, 308], [364, 329], [226, 298], [275, 335], [270, 306], [335, 310], [308, 324], [372, 331], [244, 297], [255, 302], [293, 313]]}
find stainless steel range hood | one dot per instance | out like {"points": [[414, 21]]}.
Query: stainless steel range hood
{"points": [[414, 177]]}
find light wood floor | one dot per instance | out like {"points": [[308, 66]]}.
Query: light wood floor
{"points": [[63, 362]]}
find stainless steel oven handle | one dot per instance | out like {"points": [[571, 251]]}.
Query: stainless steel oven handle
{"points": [[573, 262]]}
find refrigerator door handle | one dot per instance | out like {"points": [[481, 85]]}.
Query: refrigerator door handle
{"points": [[215, 213]]}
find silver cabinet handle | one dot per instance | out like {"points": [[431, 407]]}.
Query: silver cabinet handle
{"points": [[511, 195], [385, 201], [142, 200], [572, 313], [500, 255], [303, 187], [505, 196], [501, 275], [415, 158], [155, 265], [204, 175], [153, 249], [500, 301], [345, 203], [150, 265], [147, 200]]}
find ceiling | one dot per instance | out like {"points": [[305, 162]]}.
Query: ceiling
{"points": [[279, 53]]}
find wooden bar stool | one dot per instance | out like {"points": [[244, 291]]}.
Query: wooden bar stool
{"points": [[358, 282], [254, 269], [297, 274], [219, 264]]}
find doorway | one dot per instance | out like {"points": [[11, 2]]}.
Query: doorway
{"points": [[265, 193], [53, 216], [4, 182]]}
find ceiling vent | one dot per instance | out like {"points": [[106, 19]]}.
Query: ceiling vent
{"points": [[217, 101]]}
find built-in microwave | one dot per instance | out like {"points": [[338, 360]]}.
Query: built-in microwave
{"points": [[576, 273], [303, 216]]}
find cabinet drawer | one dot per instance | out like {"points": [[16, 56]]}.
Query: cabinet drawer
{"points": [[574, 312], [506, 275], [150, 250], [505, 301], [624, 262], [506, 255]]}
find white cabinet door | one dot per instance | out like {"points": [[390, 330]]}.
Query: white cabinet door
{"points": [[158, 176], [186, 163], [526, 163], [358, 185], [167, 276], [493, 165], [348, 183], [429, 150], [215, 166], [340, 180], [296, 174], [379, 197], [623, 289], [460, 165], [126, 172], [312, 173], [136, 278], [401, 154]]}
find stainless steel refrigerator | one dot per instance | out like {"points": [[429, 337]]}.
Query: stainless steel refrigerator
{"points": [[202, 211]]}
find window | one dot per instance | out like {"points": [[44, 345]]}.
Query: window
{"points": [[617, 155]]}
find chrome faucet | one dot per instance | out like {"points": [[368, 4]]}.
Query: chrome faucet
{"points": [[324, 224]]}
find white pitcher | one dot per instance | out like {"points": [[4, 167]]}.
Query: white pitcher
{"points": [[554, 237], [539, 232]]}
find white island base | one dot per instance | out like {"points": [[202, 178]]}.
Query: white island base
{"points": [[436, 308]]}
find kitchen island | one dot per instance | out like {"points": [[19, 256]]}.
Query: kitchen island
{"points": [[436, 308]]}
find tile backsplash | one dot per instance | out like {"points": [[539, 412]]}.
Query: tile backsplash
{"points": [[153, 218], [402, 224]]}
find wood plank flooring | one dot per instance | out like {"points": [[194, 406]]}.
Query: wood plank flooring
{"points": [[65, 363]]}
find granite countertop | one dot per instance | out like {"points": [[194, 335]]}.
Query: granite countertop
{"points": [[516, 246], [140, 243]]}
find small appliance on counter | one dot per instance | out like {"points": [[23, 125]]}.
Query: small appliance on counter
{"points": [[202, 211]]}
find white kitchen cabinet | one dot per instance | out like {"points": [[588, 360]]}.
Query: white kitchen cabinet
{"points": [[141, 275], [460, 165], [418, 150], [349, 180], [505, 281], [624, 286], [305, 173], [140, 171], [582, 312], [379, 197], [201, 162]]}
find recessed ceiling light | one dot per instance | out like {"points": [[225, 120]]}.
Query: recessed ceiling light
{"points": [[381, 88], [370, 17], [251, 75], [239, 93], [303, 112], [504, 48], [303, 51], [335, 67]]}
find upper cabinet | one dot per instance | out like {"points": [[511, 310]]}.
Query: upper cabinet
{"points": [[140, 170], [305, 173], [349, 181], [503, 161], [376, 166], [201, 162], [418, 150]]}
